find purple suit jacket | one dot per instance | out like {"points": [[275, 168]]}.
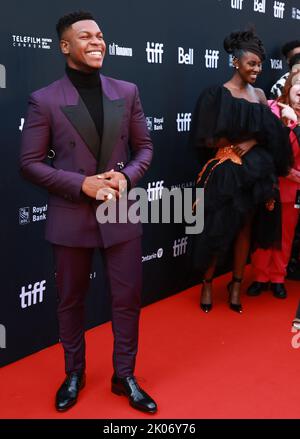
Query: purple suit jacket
{"points": [[57, 118]]}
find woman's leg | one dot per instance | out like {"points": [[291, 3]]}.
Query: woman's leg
{"points": [[241, 252], [206, 292]]}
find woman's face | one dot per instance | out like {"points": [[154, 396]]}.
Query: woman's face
{"points": [[249, 67], [294, 94]]}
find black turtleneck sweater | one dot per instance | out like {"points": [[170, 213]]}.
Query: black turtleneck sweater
{"points": [[89, 88]]}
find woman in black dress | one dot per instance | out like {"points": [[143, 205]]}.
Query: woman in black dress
{"points": [[249, 148]]}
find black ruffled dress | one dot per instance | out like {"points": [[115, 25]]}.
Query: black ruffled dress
{"points": [[234, 191]]}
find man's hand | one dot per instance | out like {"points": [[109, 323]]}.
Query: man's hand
{"points": [[243, 147], [117, 180], [106, 186]]}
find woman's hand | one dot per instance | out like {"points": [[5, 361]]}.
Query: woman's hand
{"points": [[242, 148], [294, 175], [288, 112]]}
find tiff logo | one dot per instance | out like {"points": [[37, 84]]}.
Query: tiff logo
{"points": [[260, 6], [183, 122], [33, 294], [296, 13], [279, 9], [179, 247], [2, 76], [276, 64], [154, 190], [185, 58], [211, 58], [154, 52], [2, 337], [237, 4]]}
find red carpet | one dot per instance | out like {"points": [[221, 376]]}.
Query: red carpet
{"points": [[196, 365]]}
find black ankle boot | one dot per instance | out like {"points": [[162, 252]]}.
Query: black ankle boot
{"points": [[237, 307], [137, 397], [67, 394], [206, 307]]}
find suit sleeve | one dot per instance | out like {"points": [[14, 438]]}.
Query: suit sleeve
{"points": [[140, 143], [36, 140]]}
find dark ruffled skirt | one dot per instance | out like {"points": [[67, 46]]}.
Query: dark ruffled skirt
{"points": [[232, 193]]}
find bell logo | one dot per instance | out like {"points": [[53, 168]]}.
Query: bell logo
{"points": [[185, 58], [260, 6], [2, 337], [2, 76]]}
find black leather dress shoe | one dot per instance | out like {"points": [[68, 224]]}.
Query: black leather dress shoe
{"points": [[256, 288], [67, 394], [279, 290], [137, 397]]}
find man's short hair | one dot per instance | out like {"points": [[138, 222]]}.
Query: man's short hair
{"points": [[287, 47], [67, 20]]}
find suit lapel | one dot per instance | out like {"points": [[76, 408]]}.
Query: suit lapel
{"points": [[113, 110], [79, 116]]}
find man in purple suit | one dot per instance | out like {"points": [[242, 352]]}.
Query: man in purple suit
{"points": [[88, 121]]}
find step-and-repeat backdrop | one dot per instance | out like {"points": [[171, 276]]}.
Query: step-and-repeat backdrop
{"points": [[171, 49]]}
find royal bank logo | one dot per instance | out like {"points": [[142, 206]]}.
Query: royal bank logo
{"points": [[31, 42], [24, 215], [154, 53], [259, 6], [2, 337], [34, 214], [296, 13], [276, 64], [155, 190], [185, 57], [279, 9], [155, 255], [183, 122], [180, 247], [155, 123], [2, 76], [237, 4], [32, 294], [115, 50], [211, 58]]}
